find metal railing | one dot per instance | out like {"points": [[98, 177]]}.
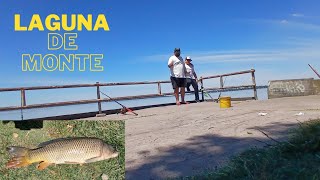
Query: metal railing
{"points": [[99, 100]]}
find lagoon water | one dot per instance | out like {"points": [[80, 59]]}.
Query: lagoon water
{"points": [[74, 109]]}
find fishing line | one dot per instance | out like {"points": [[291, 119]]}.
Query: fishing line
{"points": [[219, 93], [124, 107], [207, 94]]}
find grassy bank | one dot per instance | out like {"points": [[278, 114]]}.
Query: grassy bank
{"points": [[111, 132], [299, 158]]}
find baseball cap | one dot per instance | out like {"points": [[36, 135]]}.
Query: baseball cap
{"points": [[188, 58], [176, 49]]}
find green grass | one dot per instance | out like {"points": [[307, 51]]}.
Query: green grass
{"points": [[111, 132], [299, 158]]}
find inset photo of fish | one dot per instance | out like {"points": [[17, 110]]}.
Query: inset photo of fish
{"points": [[62, 149]]}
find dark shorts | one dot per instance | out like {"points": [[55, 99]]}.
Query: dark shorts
{"points": [[178, 82]]}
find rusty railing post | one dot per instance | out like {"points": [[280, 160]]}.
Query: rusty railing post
{"points": [[23, 98], [254, 84], [98, 97], [23, 102], [221, 82], [201, 82], [159, 88]]}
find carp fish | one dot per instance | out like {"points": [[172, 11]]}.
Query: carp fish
{"points": [[78, 150]]}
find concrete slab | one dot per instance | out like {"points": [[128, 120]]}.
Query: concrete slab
{"points": [[185, 140], [316, 86], [290, 88]]}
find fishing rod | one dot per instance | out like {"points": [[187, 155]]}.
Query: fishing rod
{"points": [[206, 93], [314, 70], [211, 96], [124, 108]]}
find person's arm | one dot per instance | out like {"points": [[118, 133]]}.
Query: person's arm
{"points": [[194, 73], [170, 63]]}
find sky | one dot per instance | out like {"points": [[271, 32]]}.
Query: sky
{"points": [[276, 38]]}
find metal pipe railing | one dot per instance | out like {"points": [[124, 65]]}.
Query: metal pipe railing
{"points": [[99, 100]]}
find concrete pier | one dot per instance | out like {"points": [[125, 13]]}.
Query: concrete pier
{"points": [[184, 140]]}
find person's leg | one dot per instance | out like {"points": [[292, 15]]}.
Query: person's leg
{"points": [[176, 94], [175, 87], [182, 90], [196, 89], [188, 84]]}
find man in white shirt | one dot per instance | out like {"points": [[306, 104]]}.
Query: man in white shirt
{"points": [[191, 78], [178, 75]]}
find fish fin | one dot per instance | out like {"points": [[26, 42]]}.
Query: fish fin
{"points": [[69, 162], [42, 165], [18, 155], [16, 162], [51, 141], [16, 151], [95, 159]]}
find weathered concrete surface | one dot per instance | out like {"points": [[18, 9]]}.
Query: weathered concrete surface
{"points": [[185, 140], [289, 88], [316, 87]]}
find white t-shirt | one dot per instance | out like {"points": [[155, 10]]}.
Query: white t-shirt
{"points": [[190, 71], [178, 68]]}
